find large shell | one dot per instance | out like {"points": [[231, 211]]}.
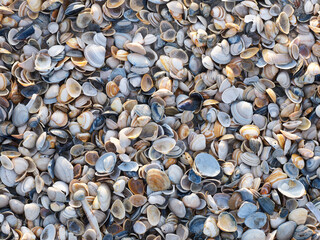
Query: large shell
{"points": [[242, 112], [207, 165], [95, 55], [291, 188], [157, 180]]}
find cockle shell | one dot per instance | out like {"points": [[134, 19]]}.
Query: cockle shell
{"points": [[157, 180]]}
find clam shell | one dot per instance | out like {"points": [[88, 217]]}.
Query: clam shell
{"points": [[210, 227], [63, 169], [207, 165], [253, 234], [256, 220], [138, 60], [95, 55], [157, 180], [249, 131], [219, 55], [153, 215], [117, 209], [246, 209], [31, 211], [164, 145], [106, 163], [177, 207], [227, 222], [299, 216], [250, 159], [291, 188], [242, 112]]}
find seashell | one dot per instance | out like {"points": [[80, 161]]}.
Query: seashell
{"points": [[226, 222], [85, 120], [198, 143], [250, 159], [291, 170], [177, 207], [138, 60], [192, 103], [283, 79], [302, 232], [104, 196], [291, 188], [164, 145], [139, 227], [106, 163], [246, 181], [117, 209], [153, 215], [63, 169], [224, 119], [299, 216], [283, 23], [256, 220], [246, 209], [252, 234], [49, 232], [210, 227], [286, 230], [31, 211], [276, 176], [266, 204], [230, 95], [191, 201], [298, 161], [249, 131], [196, 225], [75, 226], [249, 53], [20, 115], [219, 56], [242, 112], [95, 55], [207, 165], [157, 180]]}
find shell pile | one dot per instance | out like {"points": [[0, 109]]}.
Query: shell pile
{"points": [[160, 119]]}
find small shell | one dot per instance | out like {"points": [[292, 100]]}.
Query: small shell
{"points": [[95, 55], [157, 180], [164, 145], [226, 222], [153, 215], [249, 131], [207, 165], [117, 209], [283, 23]]}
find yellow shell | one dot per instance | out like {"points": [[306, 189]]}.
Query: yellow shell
{"points": [[112, 89], [298, 161], [249, 131], [157, 180], [218, 129], [276, 176]]}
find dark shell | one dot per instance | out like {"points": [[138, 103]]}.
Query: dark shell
{"points": [[196, 224], [192, 103], [193, 177], [74, 8], [266, 204], [24, 33], [302, 232]]}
